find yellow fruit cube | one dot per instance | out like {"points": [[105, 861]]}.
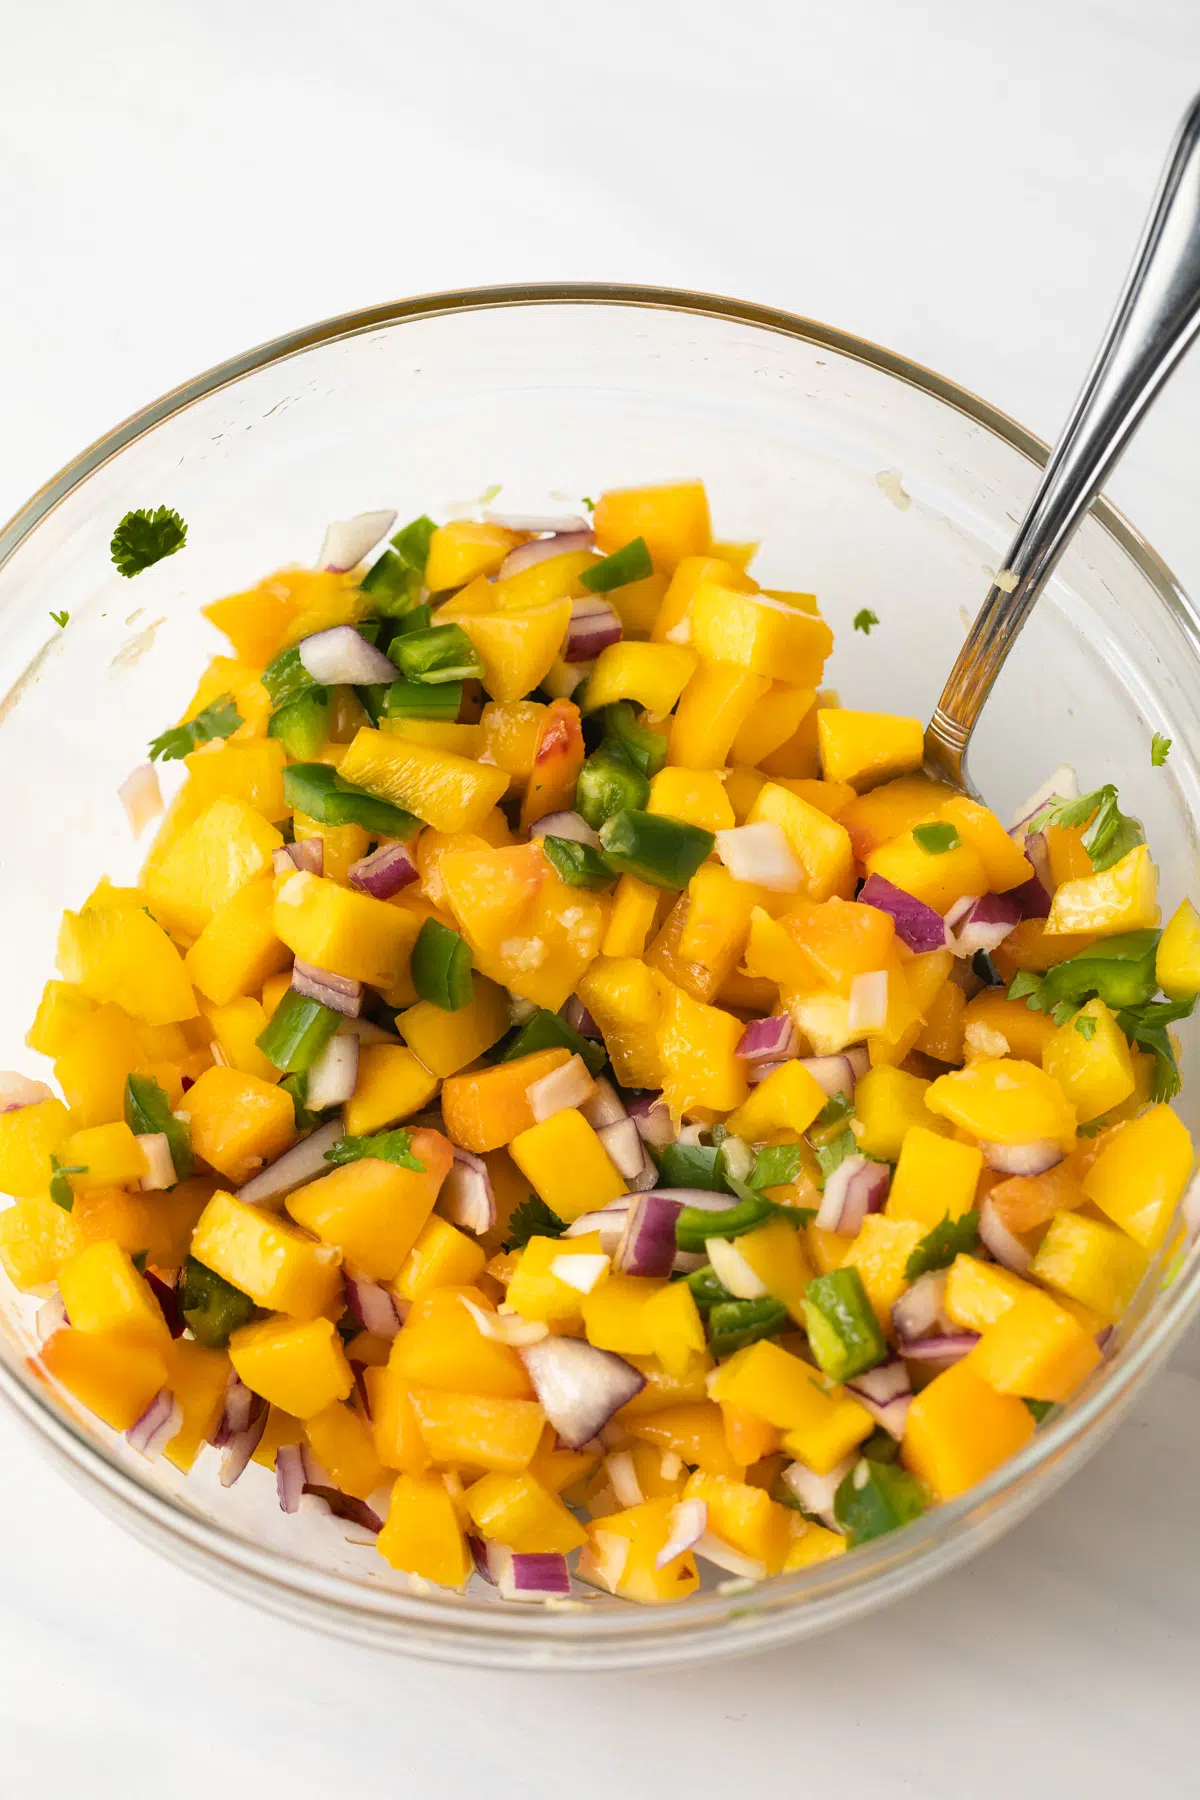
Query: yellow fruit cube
{"points": [[697, 1049], [447, 1041], [118, 954], [635, 904], [1004, 861], [198, 1378], [1036, 1349], [695, 795], [811, 1543], [821, 1423], [267, 1258], [654, 675], [339, 929], [744, 1517], [449, 792], [672, 625], [479, 1431], [442, 1256], [536, 1292], [887, 1103], [102, 1291], [672, 519], [1090, 1262], [960, 1428], [938, 877], [36, 1238], [518, 648], [764, 635], [1090, 1058], [880, 1253], [820, 844], [978, 1293], [771, 722], [672, 1321], [250, 771], [695, 1432], [373, 1211], [422, 1534], [567, 1164], [461, 550], [227, 846], [29, 1137], [341, 1441], [1002, 1101], [394, 1428], [1139, 1176], [1123, 898], [239, 1122], [624, 998], [238, 949], [298, 1365], [103, 1156], [788, 1100], [236, 1029], [61, 1011], [935, 1178], [440, 1346], [776, 1253], [712, 710], [518, 1511], [392, 1085], [1177, 962], [114, 1375], [865, 748], [614, 1315]]}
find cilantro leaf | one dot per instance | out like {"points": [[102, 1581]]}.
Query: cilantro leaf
{"points": [[1146, 1026], [829, 1156], [60, 618], [864, 620], [1112, 833], [775, 1165], [939, 1247], [588, 502], [1027, 986], [60, 1188], [219, 719], [937, 838], [1065, 1010], [144, 537], [532, 1218], [1086, 1027], [384, 1146], [835, 1110], [1160, 746]]}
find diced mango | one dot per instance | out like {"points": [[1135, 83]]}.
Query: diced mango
{"points": [[36, 1238], [267, 1258], [449, 792], [239, 1122], [654, 675], [1026, 1033], [342, 1442], [102, 1291], [788, 1100], [978, 1293], [937, 877], [697, 1050], [422, 1534], [518, 651], [537, 1293], [935, 1178], [764, 635], [887, 1103], [713, 708], [1177, 961], [567, 1164], [821, 846], [864, 748], [1036, 1350], [119, 954], [673, 519], [447, 1041], [695, 1432], [694, 795], [622, 1550], [392, 1085], [771, 722], [811, 1543], [999, 1100], [487, 1108], [518, 1511], [528, 930], [880, 1253], [29, 1137], [298, 1365], [104, 1156], [373, 1211], [442, 1256], [113, 1375], [227, 846], [441, 1346], [776, 1253], [461, 550], [959, 1429], [61, 1011], [624, 998], [339, 929], [250, 771], [672, 625], [198, 1378], [1123, 898], [635, 904], [672, 1322], [1090, 1058], [1139, 1176], [1091, 1262], [394, 1429], [614, 1315], [480, 1431], [238, 949], [744, 1517], [557, 760], [1005, 863], [891, 810]]}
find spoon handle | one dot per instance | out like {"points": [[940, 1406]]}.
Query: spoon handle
{"points": [[1155, 321]]}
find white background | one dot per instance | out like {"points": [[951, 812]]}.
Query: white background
{"points": [[962, 182]]}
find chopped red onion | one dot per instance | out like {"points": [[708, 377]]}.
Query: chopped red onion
{"points": [[168, 1301], [917, 925], [51, 1316], [506, 1327], [568, 1086], [345, 1506], [17, 1091], [984, 924], [868, 1002], [529, 1575], [815, 1492], [1033, 1158], [564, 678], [577, 1016], [555, 524], [834, 1074], [384, 872], [758, 1072], [605, 1107], [160, 1170], [769, 1040], [628, 1156], [733, 1271], [466, 1196], [761, 853], [526, 555], [304, 1162], [372, 1305], [647, 1245], [580, 1387], [1035, 896], [689, 1522], [141, 797], [940, 1352], [479, 1556], [240, 1445], [653, 1119], [734, 1562], [622, 1478], [565, 825], [886, 1392], [608, 1220], [347, 541], [289, 1477], [237, 1412], [859, 1060], [919, 1310], [855, 1188], [342, 656], [306, 855], [1003, 1244], [151, 1434], [583, 1272], [1062, 785], [595, 624], [339, 992], [893, 1417], [333, 1076]]}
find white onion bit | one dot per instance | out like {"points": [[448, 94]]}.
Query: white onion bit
{"points": [[347, 541], [141, 797]]}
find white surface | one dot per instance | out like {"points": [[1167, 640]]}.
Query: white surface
{"points": [[178, 181]]}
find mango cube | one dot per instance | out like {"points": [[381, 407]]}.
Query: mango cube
{"points": [[1002, 1101], [102, 1291], [29, 1137], [672, 519], [764, 635], [518, 1511], [442, 1256], [820, 844], [654, 675], [104, 1156], [298, 1365], [227, 846], [114, 1375], [788, 1100], [447, 1041], [697, 1050], [713, 709], [959, 1429], [119, 954], [1177, 960], [1090, 1058], [440, 1346], [567, 1164], [1123, 898], [461, 550], [239, 1121], [238, 948], [1091, 1262], [373, 1211], [1036, 1350], [344, 931], [392, 1085], [1139, 1176], [481, 1431], [865, 748], [342, 1442], [267, 1258], [935, 1178]]}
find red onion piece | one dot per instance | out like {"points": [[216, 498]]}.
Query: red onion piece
{"points": [[758, 1072], [526, 555], [562, 1088], [565, 825], [595, 624], [577, 1016], [893, 1417], [372, 1305], [689, 1522], [466, 1197], [835, 1074], [940, 1352], [168, 1301], [339, 992], [1062, 785], [241, 1445], [1003, 1244], [507, 1327], [815, 1492], [886, 1392], [647, 1245], [627, 1155], [529, 1575], [141, 797], [1033, 1158], [769, 1040], [985, 924], [333, 1076], [760, 853], [342, 656], [1035, 896], [347, 541], [868, 1002], [918, 1312], [855, 1188], [859, 1060], [653, 1120], [917, 925], [556, 524], [580, 1387], [306, 854], [608, 1220], [289, 1477], [17, 1091], [605, 1107], [151, 1434], [237, 1412], [622, 1478], [345, 1506], [304, 1162], [479, 1556], [384, 872]]}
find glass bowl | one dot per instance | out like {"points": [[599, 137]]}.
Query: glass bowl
{"points": [[869, 480]]}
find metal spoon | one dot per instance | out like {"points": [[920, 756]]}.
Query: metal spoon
{"points": [[1157, 316]]}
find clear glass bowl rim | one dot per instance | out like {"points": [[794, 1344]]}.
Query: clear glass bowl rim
{"points": [[700, 1628]]}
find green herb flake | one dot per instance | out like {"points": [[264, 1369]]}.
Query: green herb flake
{"points": [[864, 620], [1085, 1026], [144, 537], [937, 838], [829, 1156], [588, 502], [1111, 835], [532, 1218], [1027, 986], [383, 1146], [219, 719], [60, 618], [775, 1166], [835, 1110], [60, 1187], [939, 1247], [1160, 746], [1146, 1026]]}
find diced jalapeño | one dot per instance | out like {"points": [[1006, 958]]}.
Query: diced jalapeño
{"points": [[843, 1332], [579, 865], [318, 791], [732, 1324], [441, 967], [665, 852], [212, 1307], [298, 1031], [544, 1030], [609, 783], [875, 1498]]}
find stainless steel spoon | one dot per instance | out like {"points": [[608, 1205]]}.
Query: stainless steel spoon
{"points": [[1157, 316]]}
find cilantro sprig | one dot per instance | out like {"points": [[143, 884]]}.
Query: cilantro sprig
{"points": [[384, 1146], [144, 537], [60, 619], [775, 1166], [532, 1218], [60, 1188], [1146, 1026], [219, 719], [831, 1154], [864, 620], [1111, 835], [939, 1247], [1160, 747]]}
